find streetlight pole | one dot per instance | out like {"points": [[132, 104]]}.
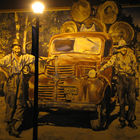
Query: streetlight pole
{"points": [[38, 8], [35, 124]]}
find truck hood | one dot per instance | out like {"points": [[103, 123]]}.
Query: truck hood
{"points": [[79, 59]]}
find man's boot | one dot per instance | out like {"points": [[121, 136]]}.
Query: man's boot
{"points": [[14, 132], [122, 124], [9, 125], [132, 125]]}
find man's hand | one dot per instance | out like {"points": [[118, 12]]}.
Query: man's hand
{"points": [[98, 72], [43, 58], [5, 72], [46, 58]]}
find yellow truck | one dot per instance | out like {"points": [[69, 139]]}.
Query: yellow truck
{"points": [[69, 80]]}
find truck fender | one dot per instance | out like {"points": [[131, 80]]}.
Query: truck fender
{"points": [[94, 89], [107, 88]]}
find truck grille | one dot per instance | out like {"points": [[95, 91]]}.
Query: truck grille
{"points": [[50, 69], [61, 95], [87, 70], [45, 92], [65, 70]]}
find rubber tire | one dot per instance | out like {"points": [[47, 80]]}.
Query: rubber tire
{"points": [[99, 120]]}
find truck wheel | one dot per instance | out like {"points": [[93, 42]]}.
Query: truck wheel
{"points": [[95, 119], [99, 119]]}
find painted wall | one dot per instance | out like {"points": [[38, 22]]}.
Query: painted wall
{"points": [[19, 25]]}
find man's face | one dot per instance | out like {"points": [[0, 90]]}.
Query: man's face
{"points": [[123, 50], [17, 50]]}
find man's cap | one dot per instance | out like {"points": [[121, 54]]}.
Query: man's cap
{"points": [[15, 43], [122, 43]]}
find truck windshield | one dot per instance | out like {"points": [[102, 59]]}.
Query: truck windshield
{"points": [[90, 45]]}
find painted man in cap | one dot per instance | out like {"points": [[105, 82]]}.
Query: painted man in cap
{"points": [[124, 63], [14, 87]]}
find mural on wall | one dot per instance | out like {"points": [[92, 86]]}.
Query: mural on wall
{"points": [[76, 45], [19, 25]]}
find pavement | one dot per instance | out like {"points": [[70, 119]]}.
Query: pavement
{"points": [[73, 126]]}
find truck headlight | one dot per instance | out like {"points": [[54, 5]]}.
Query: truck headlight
{"points": [[92, 73]]}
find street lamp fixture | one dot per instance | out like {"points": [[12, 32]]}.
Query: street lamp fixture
{"points": [[38, 9]]}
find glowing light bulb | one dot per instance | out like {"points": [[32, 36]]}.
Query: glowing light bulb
{"points": [[38, 7]]}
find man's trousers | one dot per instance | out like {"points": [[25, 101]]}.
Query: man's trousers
{"points": [[126, 85], [15, 98]]}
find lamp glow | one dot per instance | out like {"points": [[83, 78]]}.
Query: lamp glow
{"points": [[38, 7]]}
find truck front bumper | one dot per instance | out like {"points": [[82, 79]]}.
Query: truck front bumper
{"points": [[66, 106]]}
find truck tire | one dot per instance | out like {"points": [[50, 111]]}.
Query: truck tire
{"points": [[95, 119], [100, 119]]}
